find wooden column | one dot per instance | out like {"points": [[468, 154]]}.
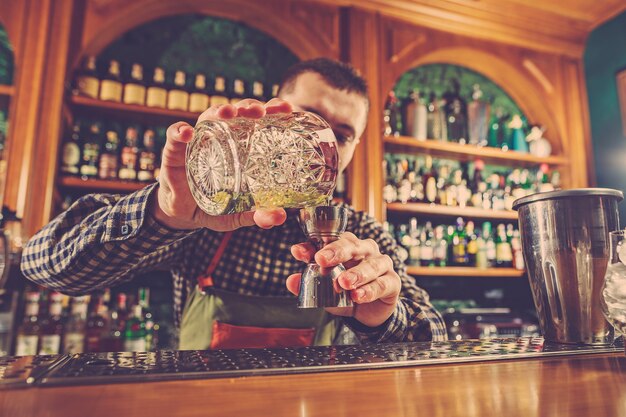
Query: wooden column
{"points": [[365, 179], [40, 184], [28, 86]]}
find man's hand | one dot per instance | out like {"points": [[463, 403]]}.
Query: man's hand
{"points": [[174, 206], [373, 284]]}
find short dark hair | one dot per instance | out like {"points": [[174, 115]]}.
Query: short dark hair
{"points": [[337, 74]]}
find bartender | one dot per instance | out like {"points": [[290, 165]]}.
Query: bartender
{"points": [[235, 275]]}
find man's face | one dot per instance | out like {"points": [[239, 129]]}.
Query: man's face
{"points": [[345, 112]]}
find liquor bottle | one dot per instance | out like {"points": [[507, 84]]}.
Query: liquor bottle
{"points": [[111, 85], [516, 247], [451, 231], [199, 97], [135, 334], [238, 91], [472, 244], [494, 139], [390, 193], [148, 317], [393, 119], [404, 185], [518, 139], [135, 87], [413, 243], [459, 245], [427, 250], [490, 245], [440, 247], [147, 157], [481, 255], [456, 114], [275, 90], [178, 96], [74, 334], [52, 327], [442, 184], [504, 254], [28, 332], [218, 96], [478, 118], [430, 181], [87, 81], [91, 152], [436, 127], [403, 252], [71, 152], [477, 184], [415, 116], [257, 91], [156, 94], [95, 331], [128, 168], [109, 157], [543, 179]]}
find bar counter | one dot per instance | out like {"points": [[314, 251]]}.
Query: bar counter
{"points": [[591, 384]]}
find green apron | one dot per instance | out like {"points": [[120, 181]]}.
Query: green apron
{"points": [[207, 305]]}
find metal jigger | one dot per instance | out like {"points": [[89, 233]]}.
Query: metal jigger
{"points": [[322, 225]]}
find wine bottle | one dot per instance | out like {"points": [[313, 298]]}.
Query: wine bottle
{"points": [[415, 116], [135, 87], [87, 81], [178, 96], [128, 168], [71, 152], [238, 92], [478, 118], [199, 98], [156, 94], [109, 156], [91, 152], [111, 85], [147, 157], [218, 96], [456, 114]]}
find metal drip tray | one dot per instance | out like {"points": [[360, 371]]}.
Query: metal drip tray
{"points": [[103, 368], [20, 371], [99, 368]]}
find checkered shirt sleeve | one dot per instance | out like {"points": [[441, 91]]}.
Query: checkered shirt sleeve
{"points": [[102, 240], [414, 319]]}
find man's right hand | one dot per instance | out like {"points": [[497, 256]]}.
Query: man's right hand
{"points": [[173, 204]]}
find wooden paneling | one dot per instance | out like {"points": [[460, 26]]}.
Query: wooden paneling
{"points": [[572, 386], [554, 26], [308, 30]]}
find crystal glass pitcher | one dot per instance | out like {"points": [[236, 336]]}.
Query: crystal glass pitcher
{"points": [[613, 300], [281, 160]]}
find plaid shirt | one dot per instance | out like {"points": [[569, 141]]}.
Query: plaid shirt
{"points": [[103, 240]]}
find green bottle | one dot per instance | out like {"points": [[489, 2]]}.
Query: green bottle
{"points": [[135, 333]]}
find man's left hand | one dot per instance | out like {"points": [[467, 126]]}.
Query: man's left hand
{"points": [[373, 284]]}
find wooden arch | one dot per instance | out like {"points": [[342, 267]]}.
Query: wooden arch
{"points": [[528, 92], [306, 30]]}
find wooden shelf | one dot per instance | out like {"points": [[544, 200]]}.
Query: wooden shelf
{"points": [[6, 90], [461, 271], [469, 152], [101, 185], [121, 109], [449, 211]]}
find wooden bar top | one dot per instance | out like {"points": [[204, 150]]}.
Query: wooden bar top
{"points": [[581, 385]]}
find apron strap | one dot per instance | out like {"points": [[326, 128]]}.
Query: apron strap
{"points": [[206, 280]]}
